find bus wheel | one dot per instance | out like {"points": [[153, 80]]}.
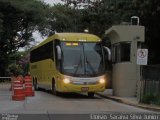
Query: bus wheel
{"points": [[54, 91], [35, 84], [91, 94]]}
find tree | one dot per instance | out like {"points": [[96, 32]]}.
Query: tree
{"points": [[149, 12], [99, 15], [18, 63], [18, 19], [63, 18], [1, 22]]}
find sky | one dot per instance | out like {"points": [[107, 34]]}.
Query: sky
{"points": [[51, 2]]}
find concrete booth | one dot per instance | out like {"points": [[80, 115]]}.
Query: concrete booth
{"points": [[125, 40]]}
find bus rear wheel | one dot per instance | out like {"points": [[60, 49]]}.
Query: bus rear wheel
{"points": [[91, 94]]}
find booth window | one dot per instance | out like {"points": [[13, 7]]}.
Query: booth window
{"points": [[121, 52]]}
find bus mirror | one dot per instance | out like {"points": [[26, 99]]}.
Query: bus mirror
{"points": [[108, 51], [59, 52]]}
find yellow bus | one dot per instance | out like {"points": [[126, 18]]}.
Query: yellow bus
{"points": [[69, 62]]}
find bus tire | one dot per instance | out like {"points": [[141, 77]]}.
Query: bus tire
{"points": [[35, 84], [54, 91], [91, 94]]}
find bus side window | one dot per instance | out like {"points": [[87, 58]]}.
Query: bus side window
{"points": [[47, 51]]}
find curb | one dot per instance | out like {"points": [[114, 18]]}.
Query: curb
{"points": [[139, 105]]}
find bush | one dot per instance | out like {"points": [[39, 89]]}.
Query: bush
{"points": [[151, 99], [15, 69], [148, 98]]}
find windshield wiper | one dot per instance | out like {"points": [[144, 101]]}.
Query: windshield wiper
{"points": [[79, 63], [91, 67]]}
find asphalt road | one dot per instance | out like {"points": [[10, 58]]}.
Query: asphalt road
{"points": [[44, 102], [45, 106]]}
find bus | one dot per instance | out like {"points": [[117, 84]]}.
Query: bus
{"points": [[69, 62]]}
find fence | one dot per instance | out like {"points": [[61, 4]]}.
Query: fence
{"points": [[5, 86], [150, 85], [5, 79], [5, 83]]}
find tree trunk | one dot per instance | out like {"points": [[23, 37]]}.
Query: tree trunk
{"points": [[2, 69]]}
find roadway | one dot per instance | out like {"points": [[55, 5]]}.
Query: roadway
{"points": [[45, 104]]}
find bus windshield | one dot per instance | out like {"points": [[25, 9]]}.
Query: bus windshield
{"points": [[82, 59]]}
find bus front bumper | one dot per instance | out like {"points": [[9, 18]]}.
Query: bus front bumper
{"points": [[81, 88]]}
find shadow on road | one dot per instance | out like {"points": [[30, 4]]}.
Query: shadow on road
{"points": [[71, 95]]}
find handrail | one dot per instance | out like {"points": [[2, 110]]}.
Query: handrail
{"points": [[5, 77]]}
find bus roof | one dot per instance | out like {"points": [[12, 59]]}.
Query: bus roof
{"points": [[74, 37]]}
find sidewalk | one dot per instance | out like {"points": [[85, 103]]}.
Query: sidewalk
{"points": [[133, 101]]}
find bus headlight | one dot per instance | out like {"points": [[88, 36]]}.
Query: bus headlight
{"points": [[102, 81], [66, 80]]}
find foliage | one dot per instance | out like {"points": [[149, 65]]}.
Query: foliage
{"points": [[18, 20], [151, 98], [149, 12], [1, 22], [99, 15], [15, 69], [63, 19], [18, 63]]}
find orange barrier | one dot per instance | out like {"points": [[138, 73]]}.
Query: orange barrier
{"points": [[17, 89], [28, 86]]}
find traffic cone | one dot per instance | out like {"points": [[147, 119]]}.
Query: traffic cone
{"points": [[28, 86], [17, 89]]}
